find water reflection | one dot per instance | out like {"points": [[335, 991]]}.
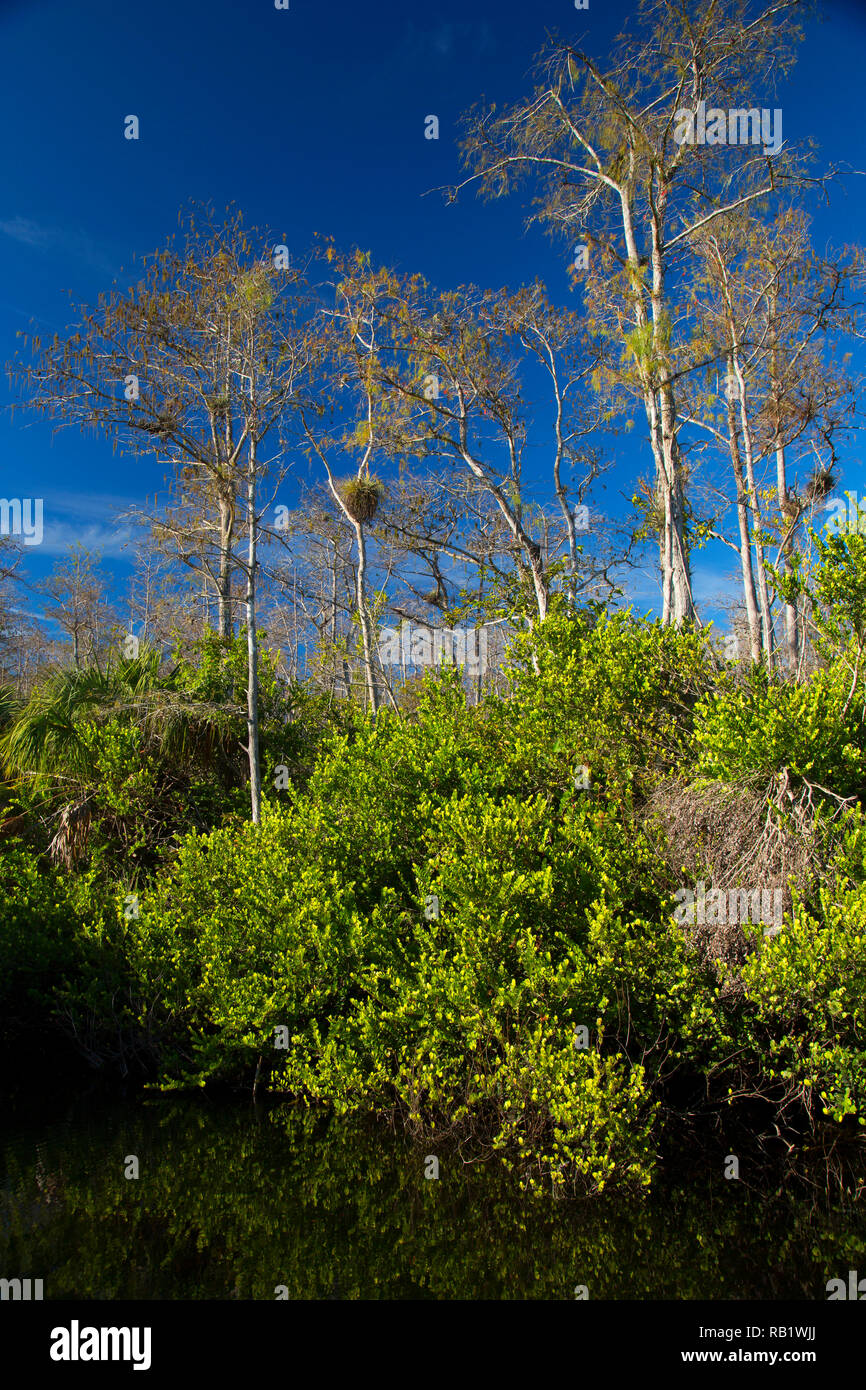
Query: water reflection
{"points": [[232, 1202]]}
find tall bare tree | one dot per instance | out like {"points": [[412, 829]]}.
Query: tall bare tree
{"points": [[629, 166], [464, 380], [775, 317], [352, 422], [77, 591], [200, 362]]}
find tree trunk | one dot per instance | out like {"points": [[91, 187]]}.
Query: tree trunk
{"points": [[563, 499], [681, 604], [792, 627], [539, 581], [224, 583], [754, 507], [252, 644], [661, 410], [364, 618], [749, 596]]}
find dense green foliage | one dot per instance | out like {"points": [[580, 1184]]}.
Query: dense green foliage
{"points": [[805, 991], [763, 726], [459, 914]]}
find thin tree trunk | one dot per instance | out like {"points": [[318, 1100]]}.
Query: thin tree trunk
{"points": [[561, 493], [683, 608], [792, 644], [335, 659], [745, 535], [364, 618], [660, 406], [792, 633], [754, 506], [539, 582], [224, 582], [252, 644]]}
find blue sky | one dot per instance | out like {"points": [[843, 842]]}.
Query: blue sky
{"points": [[310, 119]]}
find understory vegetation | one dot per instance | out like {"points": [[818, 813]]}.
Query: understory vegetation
{"points": [[462, 914]]}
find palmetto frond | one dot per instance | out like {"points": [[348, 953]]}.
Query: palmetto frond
{"points": [[45, 740], [9, 705]]}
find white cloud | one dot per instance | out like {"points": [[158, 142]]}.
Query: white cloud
{"points": [[97, 506], [473, 38], [59, 240], [22, 229], [110, 541]]}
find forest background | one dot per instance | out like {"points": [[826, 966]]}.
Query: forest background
{"points": [[231, 833]]}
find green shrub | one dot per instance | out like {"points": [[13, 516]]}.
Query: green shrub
{"points": [[438, 920], [436, 955], [611, 693], [805, 993], [65, 989], [767, 725], [237, 939], [37, 941]]}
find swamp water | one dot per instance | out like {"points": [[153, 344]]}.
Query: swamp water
{"points": [[234, 1201]]}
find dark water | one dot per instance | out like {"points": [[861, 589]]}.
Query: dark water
{"points": [[232, 1201]]}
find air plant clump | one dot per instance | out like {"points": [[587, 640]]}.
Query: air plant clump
{"points": [[166, 420], [820, 484], [218, 404], [361, 497]]}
